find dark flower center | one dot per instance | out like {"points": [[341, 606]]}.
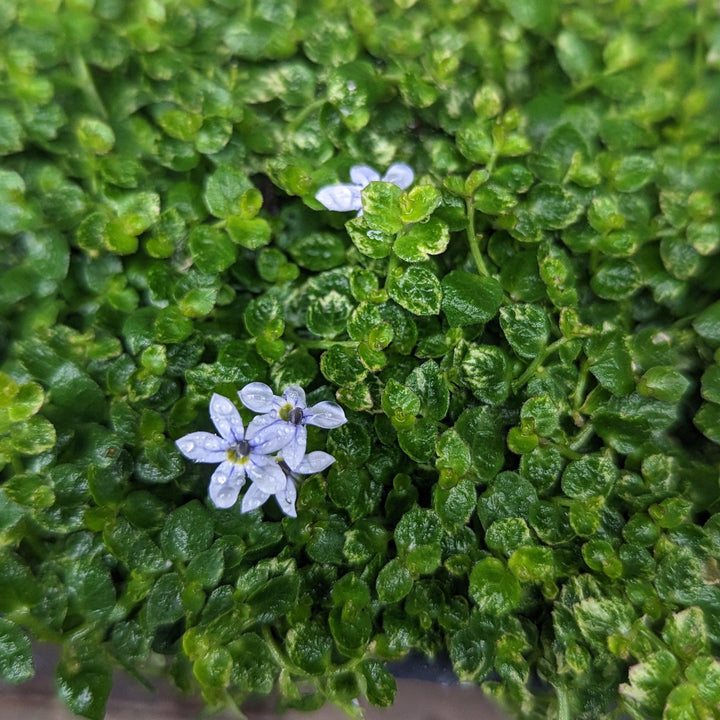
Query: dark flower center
{"points": [[242, 447], [295, 416]]}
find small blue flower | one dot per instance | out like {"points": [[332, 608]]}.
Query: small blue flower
{"points": [[312, 463], [238, 455], [282, 425], [344, 197]]}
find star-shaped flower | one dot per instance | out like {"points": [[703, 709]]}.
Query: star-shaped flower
{"points": [[344, 197], [237, 454], [312, 463], [282, 426]]}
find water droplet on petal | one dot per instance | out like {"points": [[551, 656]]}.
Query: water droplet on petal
{"points": [[273, 413], [188, 445]]}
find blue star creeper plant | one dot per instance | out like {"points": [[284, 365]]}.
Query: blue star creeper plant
{"points": [[242, 453], [498, 442]]}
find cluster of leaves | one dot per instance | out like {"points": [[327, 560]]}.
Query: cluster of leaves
{"points": [[527, 344]]}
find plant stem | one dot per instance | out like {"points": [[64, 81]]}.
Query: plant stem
{"points": [[582, 437], [87, 84], [563, 703], [539, 360], [472, 237], [298, 119]]}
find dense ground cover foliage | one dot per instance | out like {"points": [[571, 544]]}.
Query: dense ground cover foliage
{"points": [[525, 344]]}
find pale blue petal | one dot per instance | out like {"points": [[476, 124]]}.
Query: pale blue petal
{"points": [[254, 498], [268, 435], [286, 500], [258, 397], [267, 476], [325, 415], [340, 197], [294, 451], [314, 462], [363, 175], [295, 395], [226, 418], [400, 174], [203, 447], [225, 484]]}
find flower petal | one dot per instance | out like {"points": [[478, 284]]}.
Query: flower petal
{"points": [[325, 415], [258, 397], [203, 447], [267, 434], [254, 498], [294, 451], [225, 484], [314, 462], [363, 175], [226, 418], [295, 395], [400, 174], [286, 500], [268, 477], [340, 197]]}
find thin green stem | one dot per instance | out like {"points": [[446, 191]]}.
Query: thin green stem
{"points": [[87, 84], [307, 110], [563, 703], [579, 394], [473, 238], [535, 364], [279, 655], [582, 437], [562, 449]]}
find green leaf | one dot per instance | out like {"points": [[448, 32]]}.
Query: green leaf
{"points": [[685, 633], [380, 685], [187, 532], [651, 680], [400, 404], [664, 383], [417, 538], [341, 366], [318, 251], [83, 681], [468, 298], [224, 190], [416, 289], [309, 646], [368, 240], [493, 587], [704, 673], [211, 249], [327, 316], [164, 602], [251, 233], [485, 371], [381, 207], [214, 668], [591, 475], [455, 505], [707, 324], [431, 386], [422, 240], [610, 362], [526, 327], [419, 441], [393, 582], [419, 203], [553, 206], [507, 535], [16, 661], [707, 421]]}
